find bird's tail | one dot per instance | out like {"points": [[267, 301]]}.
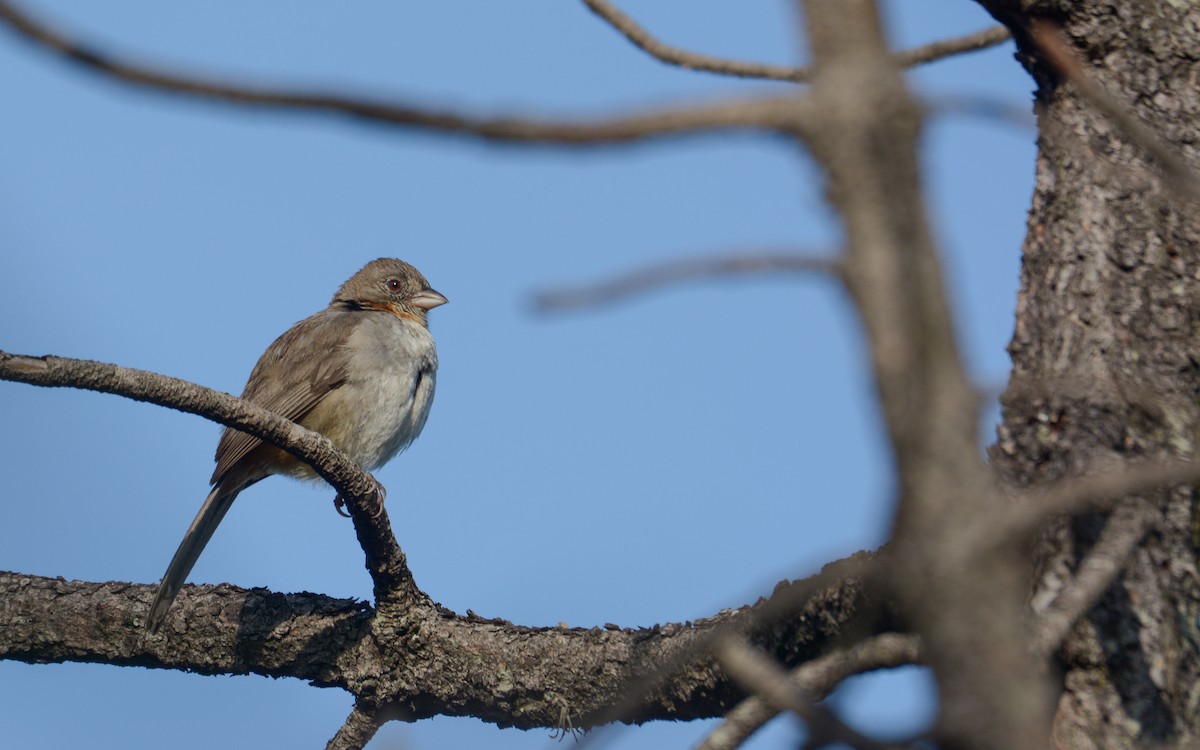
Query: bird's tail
{"points": [[215, 506]]}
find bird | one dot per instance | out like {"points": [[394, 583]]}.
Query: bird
{"points": [[361, 372]]}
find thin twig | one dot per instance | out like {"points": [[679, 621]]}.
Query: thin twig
{"points": [[817, 678], [940, 50], [1066, 64], [674, 272], [663, 52], [985, 107], [849, 575], [1103, 563], [750, 114], [761, 676], [645, 41]]}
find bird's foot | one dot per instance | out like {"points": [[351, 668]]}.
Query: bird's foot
{"points": [[380, 493], [380, 496]]}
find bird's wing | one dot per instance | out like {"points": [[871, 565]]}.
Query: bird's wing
{"points": [[307, 363]]}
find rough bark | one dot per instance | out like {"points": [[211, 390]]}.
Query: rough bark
{"points": [[1105, 361], [426, 660]]}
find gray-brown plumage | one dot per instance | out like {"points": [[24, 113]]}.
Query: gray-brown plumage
{"points": [[361, 372]]}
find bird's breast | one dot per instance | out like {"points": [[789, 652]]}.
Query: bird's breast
{"points": [[384, 402]]}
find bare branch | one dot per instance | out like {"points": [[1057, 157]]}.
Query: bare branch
{"points": [[1065, 63], [748, 114], [385, 561], [1103, 563], [868, 142], [787, 603], [424, 660], [985, 107], [816, 678], [674, 272], [356, 732], [645, 41], [762, 677], [940, 50], [1097, 491]]}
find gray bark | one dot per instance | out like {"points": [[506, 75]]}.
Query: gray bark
{"points": [[1105, 361]]}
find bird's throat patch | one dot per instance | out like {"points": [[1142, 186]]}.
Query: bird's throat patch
{"points": [[393, 309]]}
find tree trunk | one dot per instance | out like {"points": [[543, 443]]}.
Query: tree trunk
{"points": [[1105, 363]]}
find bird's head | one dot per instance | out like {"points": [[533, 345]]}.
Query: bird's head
{"points": [[390, 285]]}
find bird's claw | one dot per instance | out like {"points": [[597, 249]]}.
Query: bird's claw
{"points": [[380, 493], [380, 496]]}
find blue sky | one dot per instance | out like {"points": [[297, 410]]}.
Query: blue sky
{"points": [[649, 462]]}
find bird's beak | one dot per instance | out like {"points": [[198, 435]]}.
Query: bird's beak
{"points": [[427, 299]]}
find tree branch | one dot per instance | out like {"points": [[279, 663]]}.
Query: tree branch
{"points": [[785, 604], [762, 677], [867, 141], [431, 662], [1103, 563], [648, 43], [1098, 491], [385, 561], [645, 41], [748, 114], [940, 50], [679, 271], [817, 678], [360, 726], [1015, 114]]}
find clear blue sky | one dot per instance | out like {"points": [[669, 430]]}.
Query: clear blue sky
{"points": [[649, 462]]}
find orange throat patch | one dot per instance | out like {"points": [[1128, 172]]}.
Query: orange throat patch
{"points": [[393, 309]]}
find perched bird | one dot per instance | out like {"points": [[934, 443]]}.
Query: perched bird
{"points": [[361, 372]]}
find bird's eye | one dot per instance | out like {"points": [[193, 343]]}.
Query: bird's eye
{"points": [[393, 284]]}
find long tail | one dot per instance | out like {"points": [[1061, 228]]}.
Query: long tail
{"points": [[215, 506]]}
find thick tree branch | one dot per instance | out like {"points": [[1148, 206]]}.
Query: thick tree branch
{"points": [[648, 43], [385, 561], [867, 142], [749, 114], [675, 272], [232, 630], [431, 661]]}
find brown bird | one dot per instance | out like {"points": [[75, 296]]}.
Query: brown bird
{"points": [[360, 372]]}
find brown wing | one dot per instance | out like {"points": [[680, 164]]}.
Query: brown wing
{"points": [[300, 368]]}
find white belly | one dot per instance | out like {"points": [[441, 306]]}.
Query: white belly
{"points": [[384, 402]]}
